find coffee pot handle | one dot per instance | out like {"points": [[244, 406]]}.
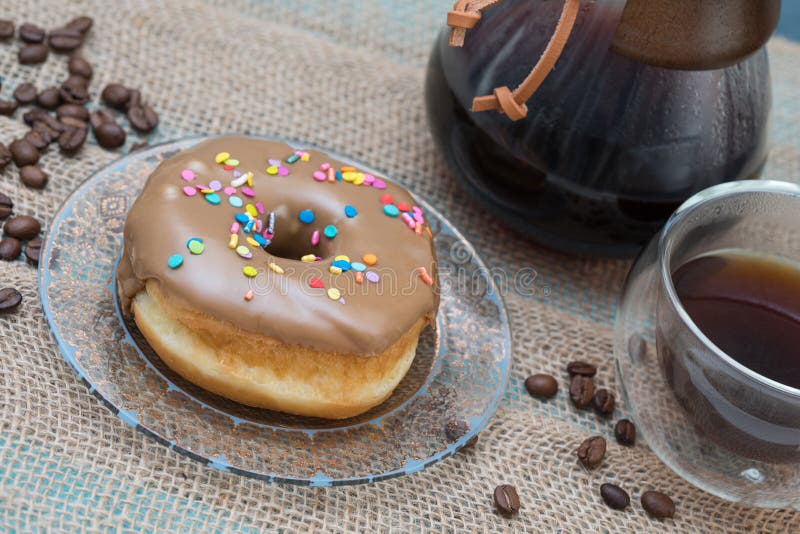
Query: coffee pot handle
{"points": [[466, 13]]}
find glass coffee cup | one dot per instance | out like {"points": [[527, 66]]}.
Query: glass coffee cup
{"points": [[721, 425]]}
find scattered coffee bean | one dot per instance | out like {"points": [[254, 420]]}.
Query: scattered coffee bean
{"points": [[9, 299], [47, 134], [455, 429], [83, 24], [74, 92], [79, 66], [72, 139], [65, 39], [22, 227], [581, 391], [10, 248], [625, 433], [6, 206], [34, 115], [32, 54], [8, 107], [33, 250], [657, 504], [72, 110], [603, 402], [49, 98], [541, 385], [143, 144], [33, 176], [143, 118], [72, 122], [31, 33], [581, 368], [25, 93], [5, 156], [23, 153], [614, 496], [506, 499], [101, 116], [592, 451], [109, 135], [6, 29], [77, 81], [135, 99], [116, 95], [35, 138]]}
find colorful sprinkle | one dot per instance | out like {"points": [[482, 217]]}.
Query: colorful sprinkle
{"points": [[188, 175], [379, 184], [260, 241], [372, 276], [348, 169], [195, 245], [319, 176], [283, 171], [391, 210], [423, 273], [293, 158], [221, 157], [249, 295], [359, 179], [249, 226], [342, 257], [309, 258], [235, 201], [330, 231], [274, 267], [189, 191], [368, 179], [249, 271], [342, 264], [305, 156], [325, 166], [387, 199], [348, 176], [315, 238], [402, 206], [330, 175], [242, 218], [230, 162], [316, 283], [233, 241], [228, 190], [213, 198], [333, 269], [260, 208], [244, 252], [358, 266], [234, 227], [338, 175], [239, 181], [272, 169], [251, 210], [334, 294], [175, 261], [370, 259], [350, 211], [359, 277], [271, 226], [215, 185], [246, 191], [252, 242], [306, 216]]}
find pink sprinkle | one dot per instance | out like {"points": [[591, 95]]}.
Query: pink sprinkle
{"points": [[259, 224], [315, 238], [416, 210], [368, 179], [187, 174], [201, 187], [325, 166], [319, 258], [246, 191], [215, 185], [419, 218], [407, 218], [411, 224], [319, 176], [378, 184], [260, 208], [189, 191], [283, 171], [236, 174], [229, 190], [267, 235], [235, 228]]}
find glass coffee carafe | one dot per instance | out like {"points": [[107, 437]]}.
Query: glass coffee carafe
{"points": [[647, 103]]}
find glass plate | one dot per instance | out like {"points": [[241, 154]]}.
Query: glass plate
{"points": [[459, 373]]}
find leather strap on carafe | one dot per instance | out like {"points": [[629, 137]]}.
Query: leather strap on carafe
{"points": [[467, 13]]}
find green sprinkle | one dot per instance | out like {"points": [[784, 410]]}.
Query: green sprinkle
{"points": [[195, 245], [293, 158]]}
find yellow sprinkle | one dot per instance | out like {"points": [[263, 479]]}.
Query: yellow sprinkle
{"points": [[342, 257], [232, 162], [359, 178], [370, 259], [347, 169], [250, 179], [221, 157], [207, 191], [276, 268], [249, 271], [309, 258], [243, 251], [349, 176], [253, 242], [305, 157], [335, 270], [272, 169], [233, 241], [334, 294], [251, 210]]}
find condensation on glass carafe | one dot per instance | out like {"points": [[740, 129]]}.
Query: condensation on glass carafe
{"points": [[610, 146]]}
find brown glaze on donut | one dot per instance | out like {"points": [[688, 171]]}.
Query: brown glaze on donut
{"points": [[284, 306]]}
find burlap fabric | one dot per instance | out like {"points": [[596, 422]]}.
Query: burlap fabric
{"points": [[347, 75]]}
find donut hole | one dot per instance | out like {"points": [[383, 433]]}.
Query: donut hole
{"points": [[292, 240]]}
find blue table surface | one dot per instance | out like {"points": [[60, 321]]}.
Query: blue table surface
{"points": [[789, 24]]}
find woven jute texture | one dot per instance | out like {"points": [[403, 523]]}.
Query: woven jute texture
{"points": [[346, 75]]}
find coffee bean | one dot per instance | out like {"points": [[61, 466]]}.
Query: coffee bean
{"points": [[657, 504], [455, 429], [31, 33], [603, 402], [6, 206], [581, 391], [6, 29], [72, 110], [109, 135], [33, 176], [34, 115], [9, 299], [47, 134], [592, 451], [143, 118], [614, 496], [32, 54], [23, 153], [49, 98], [581, 368], [76, 81], [65, 39], [22, 227], [541, 385], [35, 138], [5, 156], [83, 24], [8, 107], [72, 122], [506, 499], [625, 433], [74, 93], [101, 116], [25, 93], [135, 99], [116, 95], [71, 140], [143, 144], [33, 250], [79, 66], [10, 248]]}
